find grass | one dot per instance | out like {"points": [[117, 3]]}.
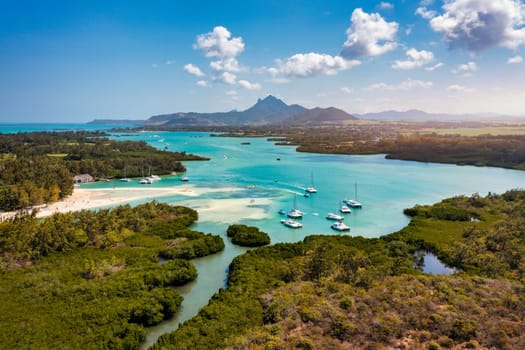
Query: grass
{"points": [[495, 130]]}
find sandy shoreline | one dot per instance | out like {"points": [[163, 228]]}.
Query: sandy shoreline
{"points": [[83, 198], [211, 209]]}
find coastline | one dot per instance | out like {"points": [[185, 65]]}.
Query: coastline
{"points": [[83, 198]]}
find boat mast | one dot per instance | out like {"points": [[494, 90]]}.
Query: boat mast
{"points": [[356, 190]]}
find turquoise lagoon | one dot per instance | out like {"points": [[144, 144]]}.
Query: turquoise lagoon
{"points": [[247, 184]]}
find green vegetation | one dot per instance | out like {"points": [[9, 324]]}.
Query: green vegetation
{"points": [[38, 167], [340, 292], [404, 140], [247, 236], [93, 280]]}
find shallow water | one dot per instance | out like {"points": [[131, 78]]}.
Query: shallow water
{"points": [[434, 266], [247, 184]]}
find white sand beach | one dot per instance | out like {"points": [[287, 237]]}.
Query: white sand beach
{"points": [[83, 198], [211, 209]]}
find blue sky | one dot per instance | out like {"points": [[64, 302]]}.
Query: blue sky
{"points": [[80, 60]]}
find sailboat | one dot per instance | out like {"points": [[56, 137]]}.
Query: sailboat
{"points": [[125, 178], [145, 180], [295, 213], [153, 177], [353, 202], [311, 189]]}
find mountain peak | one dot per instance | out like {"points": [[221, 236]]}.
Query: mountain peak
{"points": [[272, 101]]}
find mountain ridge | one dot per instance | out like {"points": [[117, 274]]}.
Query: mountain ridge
{"points": [[264, 111]]}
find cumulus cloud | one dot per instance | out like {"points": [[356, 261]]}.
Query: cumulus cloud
{"points": [[434, 67], [249, 86], [477, 25], [369, 35], [383, 5], [190, 68], [226, 65], [346, 90], [515, 60], [311, 64], [416, 59], [459, 88], [218, 43], [227, 78], [466, 69], [408, 84], [203, 84]]}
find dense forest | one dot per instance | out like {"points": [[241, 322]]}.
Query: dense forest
{"points": [[247, 236], [341, 292], [38, 167], [95, 280]]}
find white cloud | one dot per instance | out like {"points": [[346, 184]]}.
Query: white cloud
{"points": [[383, 5], [426, 2], [227, 78], [226, 65], [154, 66], [190, 68], [346, 90], [249, 86], [369, 35], [168, 62], [231, 93], [203, 84], [408, 29], [514, 60], [459, 88], [408, 84], [311, 64], [425, 13], [477, 25], [466, 69], [434, 67], [416, 59], [218, 44]]}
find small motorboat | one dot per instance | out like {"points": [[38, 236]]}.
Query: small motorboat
{"points": [[345, 210], [334, 216], [291, 223], [340, 226]]}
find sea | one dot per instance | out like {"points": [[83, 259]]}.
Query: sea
{"points": [[249, 180]]}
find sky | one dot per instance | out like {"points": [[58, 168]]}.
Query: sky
{"points": [[74, 61]]}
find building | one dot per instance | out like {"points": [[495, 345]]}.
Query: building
{"points": [[82, 178]]}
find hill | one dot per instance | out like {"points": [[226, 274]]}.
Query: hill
{"points": [[319, 116]]}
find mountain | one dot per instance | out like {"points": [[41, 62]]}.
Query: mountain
{"points": [[266, 111], [319, 116], [418, 115]]}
